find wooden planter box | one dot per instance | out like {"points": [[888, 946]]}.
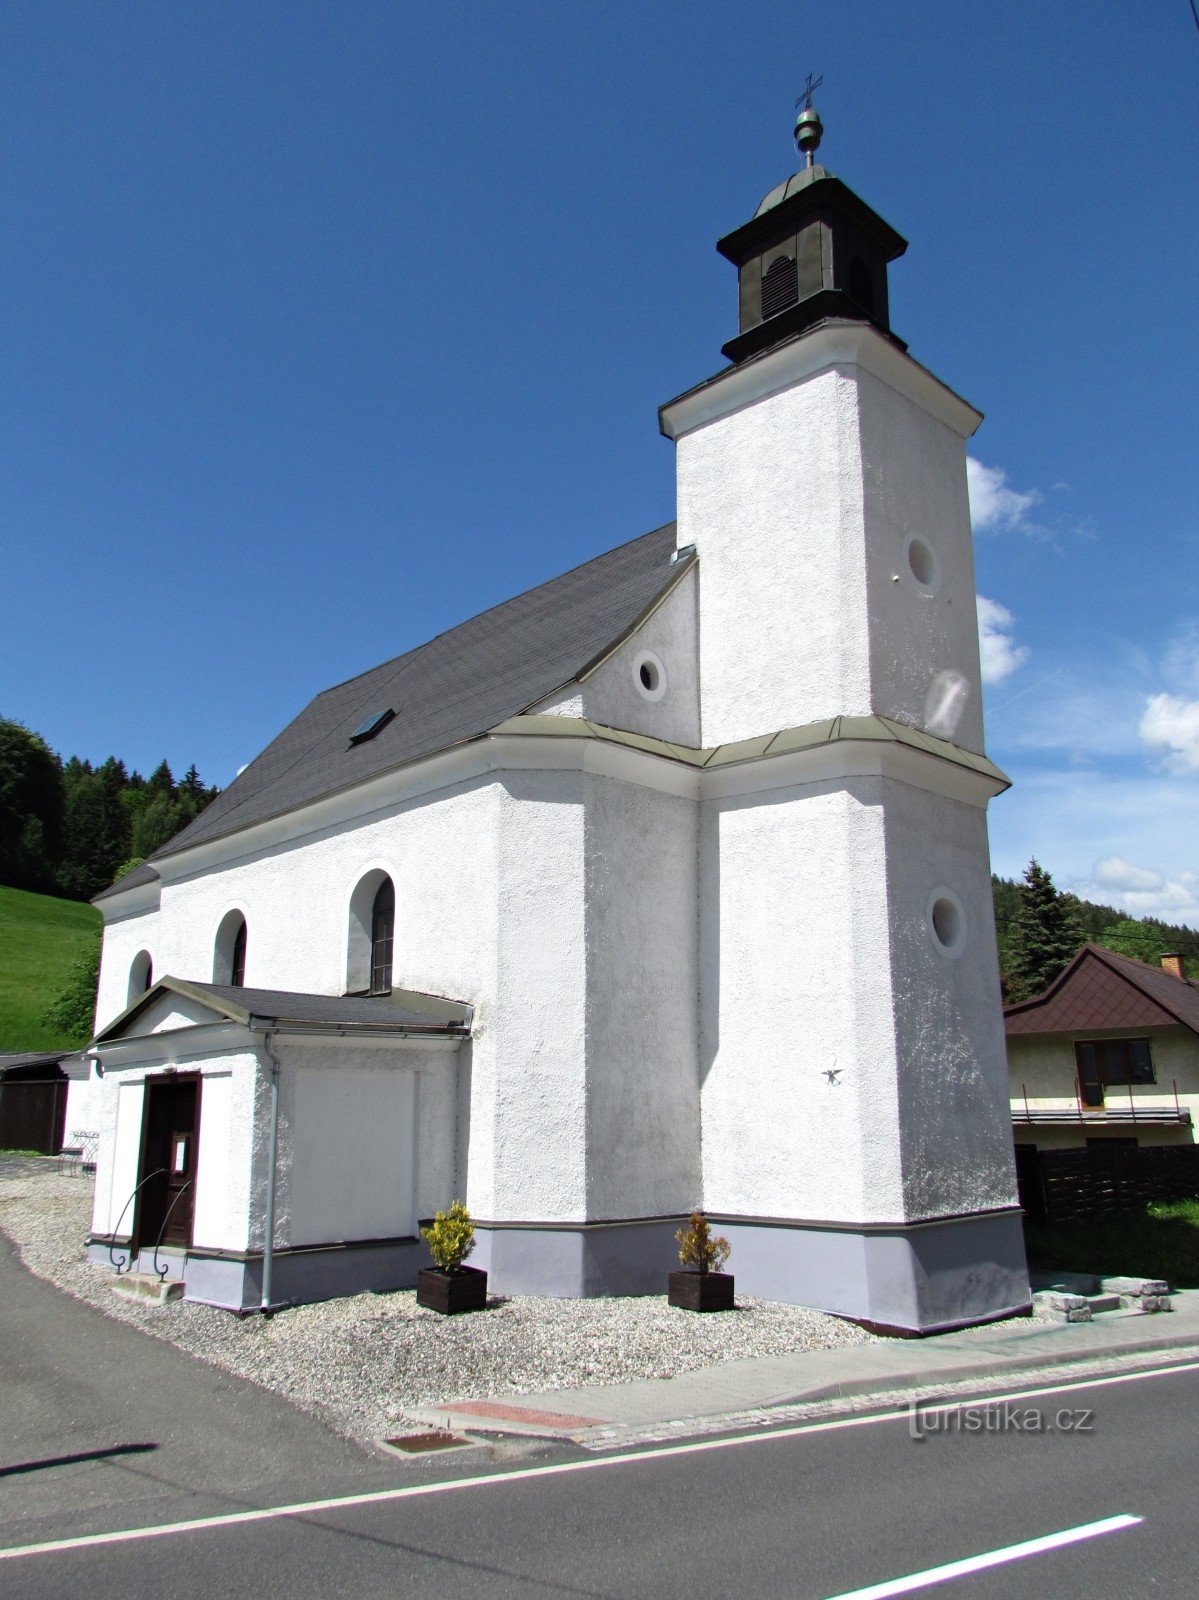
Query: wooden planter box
{"points": [[701, 1291], [451, 1292]]}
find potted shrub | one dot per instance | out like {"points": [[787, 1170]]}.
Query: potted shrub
{"points": [[701, 1286], [448, 1286]]}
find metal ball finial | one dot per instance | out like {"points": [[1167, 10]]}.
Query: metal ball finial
{"points": [[809, 130]]}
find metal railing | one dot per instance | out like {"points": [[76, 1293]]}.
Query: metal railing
{"points": [[162, 1271], [124, 1266]]}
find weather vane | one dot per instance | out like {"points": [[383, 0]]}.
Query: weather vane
{"points": [[809, 129]]}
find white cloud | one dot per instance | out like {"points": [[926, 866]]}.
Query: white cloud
{"points": [[1113, 872], [1000, 653], [994, 504], [1171, 724], [1085, 827]]}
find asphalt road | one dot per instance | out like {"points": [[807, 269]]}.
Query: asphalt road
{"points": [[803, 1513]]}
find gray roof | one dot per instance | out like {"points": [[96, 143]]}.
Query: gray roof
{"points": [[403, 1011], [792, 185], [13, 1060], [455, 688]]}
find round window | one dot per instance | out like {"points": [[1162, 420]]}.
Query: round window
{"points": [[922, 564], [947, 922], [649, 675]]}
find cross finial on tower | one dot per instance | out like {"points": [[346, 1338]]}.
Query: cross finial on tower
{"points": [[808, 127]]}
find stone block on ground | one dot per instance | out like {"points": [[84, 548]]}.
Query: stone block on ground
{"points": [[1061, 1307], [1135, 1286]]}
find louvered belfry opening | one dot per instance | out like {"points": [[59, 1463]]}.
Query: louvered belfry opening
{"points": [[383, 916], [780, 286]]}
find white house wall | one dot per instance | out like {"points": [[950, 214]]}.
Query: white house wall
{"points": [[924, 662], [795, 983], [529, 1157], [642, 982], [802, 507], [610, 694], [771, 497], [1042, 1076], [952, 1074]]}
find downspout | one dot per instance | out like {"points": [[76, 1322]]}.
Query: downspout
{"points": [[268, 1245]]}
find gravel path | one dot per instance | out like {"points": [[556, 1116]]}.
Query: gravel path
{"points": [[361, 1363]]}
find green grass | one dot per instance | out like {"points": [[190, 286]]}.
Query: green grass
{"points": [[1161, 1241], [39, 939]]}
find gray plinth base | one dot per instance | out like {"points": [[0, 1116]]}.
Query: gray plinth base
{"points": [[917, 1278], [319, 1272]]}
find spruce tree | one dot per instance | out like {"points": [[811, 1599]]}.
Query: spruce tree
{"points": [[1046, 933]]}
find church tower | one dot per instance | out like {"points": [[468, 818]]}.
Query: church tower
{"points": [[856, 1141]]}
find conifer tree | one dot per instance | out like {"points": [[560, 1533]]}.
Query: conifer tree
{"points": [[1046, 933]]}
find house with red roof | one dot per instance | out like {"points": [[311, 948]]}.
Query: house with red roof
{"points": [[1108, 1055]]}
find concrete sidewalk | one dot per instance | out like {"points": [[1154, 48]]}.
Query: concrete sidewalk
{"points": [[743, 1391]]}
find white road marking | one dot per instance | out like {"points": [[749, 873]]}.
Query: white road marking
{"points": [[992, 1558], [233, 1519]]}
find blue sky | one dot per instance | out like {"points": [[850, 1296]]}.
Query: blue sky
{"points": [[326, 326]]}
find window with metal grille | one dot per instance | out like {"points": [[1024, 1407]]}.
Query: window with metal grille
{"points": [[237, 968], [383, 919], [780, 286]]}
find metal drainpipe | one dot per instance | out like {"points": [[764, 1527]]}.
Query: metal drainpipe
{"points": [[268, 1246]]}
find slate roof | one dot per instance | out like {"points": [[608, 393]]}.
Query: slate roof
{"points": [[1099, 990], [18, 1060], [452, 689], [403, 1011]]}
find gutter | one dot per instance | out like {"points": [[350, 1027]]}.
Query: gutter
{"points": [[268, 1243]]}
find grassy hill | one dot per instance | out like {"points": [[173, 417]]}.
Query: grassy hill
{"points": [[39, 939]]}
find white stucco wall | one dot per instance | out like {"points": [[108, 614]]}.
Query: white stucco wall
{"points": [[951, 1079], [924, 662], [610, 694], [528, 1126], [800, 506], [228, 1093], [642, 984], [794, 982]]}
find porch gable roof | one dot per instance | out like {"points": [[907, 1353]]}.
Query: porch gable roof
{"points": [[403, 1012]]}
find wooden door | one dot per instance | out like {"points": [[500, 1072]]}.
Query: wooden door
{"points": [[170, 1146]]}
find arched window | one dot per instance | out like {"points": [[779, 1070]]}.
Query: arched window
{"points": [[860, 286], [383, 922], [229, 952], [141, 976], [370, 945], [780, 286]]}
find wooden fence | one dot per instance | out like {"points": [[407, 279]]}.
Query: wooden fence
{"points": [[1079, 1185], [32, 1114]]}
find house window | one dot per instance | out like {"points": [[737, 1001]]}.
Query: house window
{"points": [[1107, 1063], [383, 919], [229, 954], [141, 976]]}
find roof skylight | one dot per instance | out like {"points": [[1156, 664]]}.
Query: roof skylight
{"points": [[374, 724]]}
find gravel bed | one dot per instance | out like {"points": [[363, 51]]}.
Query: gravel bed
{"points": [[363, 1362]]}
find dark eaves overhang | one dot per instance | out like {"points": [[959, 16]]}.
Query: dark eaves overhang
{"points": [[406, 1014]]}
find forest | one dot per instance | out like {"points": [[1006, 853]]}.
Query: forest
{"points": [[70, 828]]}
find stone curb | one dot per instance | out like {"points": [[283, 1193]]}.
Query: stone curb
{"points": [[509, 1416]]}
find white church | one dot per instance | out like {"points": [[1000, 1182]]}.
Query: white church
{"points": [[662, 886]]}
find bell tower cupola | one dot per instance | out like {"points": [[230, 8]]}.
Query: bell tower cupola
{"points": [[811, 252]]}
